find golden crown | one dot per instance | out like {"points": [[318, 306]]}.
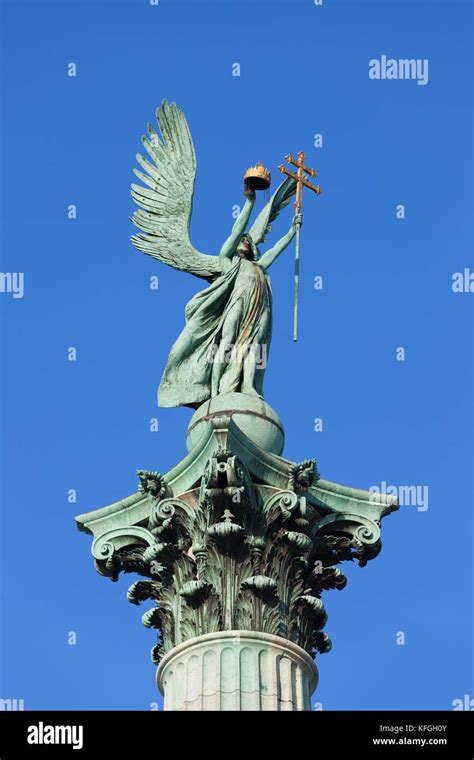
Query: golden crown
{"points": [[257, 177]]}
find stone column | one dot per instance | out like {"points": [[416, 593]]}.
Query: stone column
{"points": [[237, 670]]}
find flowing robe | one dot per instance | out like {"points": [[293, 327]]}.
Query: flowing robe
{"points": [[235, 312]]}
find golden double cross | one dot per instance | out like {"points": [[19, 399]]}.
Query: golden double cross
{"points": [[301, 181], [299, 177]]}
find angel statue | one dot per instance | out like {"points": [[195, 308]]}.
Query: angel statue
{"points": [[229, 324]]}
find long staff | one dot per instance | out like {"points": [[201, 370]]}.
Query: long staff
{"points": [[301, 180]]}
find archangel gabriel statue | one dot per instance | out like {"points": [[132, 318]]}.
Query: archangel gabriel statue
{"points": [[233, 316]]}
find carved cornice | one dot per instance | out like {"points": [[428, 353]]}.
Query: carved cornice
{"points": [[222, 433]]}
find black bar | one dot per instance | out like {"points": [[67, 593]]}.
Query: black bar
{"points": [[310, 735]]}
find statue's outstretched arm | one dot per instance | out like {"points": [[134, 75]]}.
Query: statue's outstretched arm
{"points": [[269, 257], [228, 249]]}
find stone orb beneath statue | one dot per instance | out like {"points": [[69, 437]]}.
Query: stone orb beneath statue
{"points": [[250, 413]]}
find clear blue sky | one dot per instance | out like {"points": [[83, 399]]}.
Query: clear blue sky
{"points": [[387, 284]]}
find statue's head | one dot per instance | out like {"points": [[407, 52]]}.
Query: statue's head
{"points": [[247, 249]]}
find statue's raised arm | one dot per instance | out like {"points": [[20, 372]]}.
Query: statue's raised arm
{"points": [[230, 245], [166, 201]]}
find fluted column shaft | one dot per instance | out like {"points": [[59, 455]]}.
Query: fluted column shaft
{"points": [[237, 670]]}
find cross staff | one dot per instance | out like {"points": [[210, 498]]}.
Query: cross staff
{"points": [[301, 180]]}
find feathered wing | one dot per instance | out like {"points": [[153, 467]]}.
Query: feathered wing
{"points": [[280, 198], [167, 200]]}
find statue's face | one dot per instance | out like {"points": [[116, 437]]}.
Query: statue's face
{"points": [[244, 250]]}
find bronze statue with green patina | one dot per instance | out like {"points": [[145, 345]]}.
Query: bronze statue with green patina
{"points": [[232, 318]]}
